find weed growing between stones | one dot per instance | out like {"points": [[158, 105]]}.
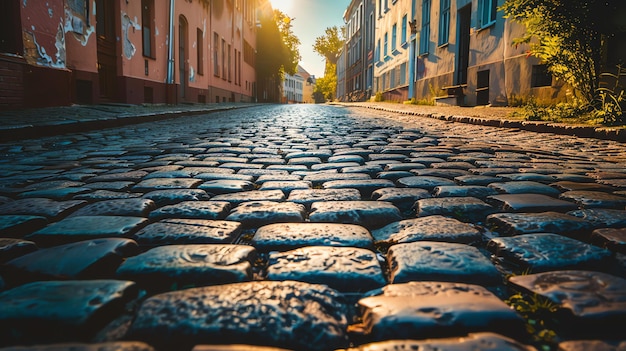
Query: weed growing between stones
{"points": [[538, 312]]}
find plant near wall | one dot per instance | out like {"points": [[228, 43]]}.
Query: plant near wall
{"points": [[611, 99], [570, 36]]}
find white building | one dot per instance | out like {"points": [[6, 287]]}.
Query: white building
{"points": [[293, 89]]}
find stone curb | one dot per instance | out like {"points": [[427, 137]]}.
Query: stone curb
{"points": [[52, 128], [532, 126]]}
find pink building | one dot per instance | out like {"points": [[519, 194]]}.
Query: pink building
{"points": [[60, 52]]}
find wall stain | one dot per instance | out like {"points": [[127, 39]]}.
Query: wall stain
{"points": [[129, 47]]}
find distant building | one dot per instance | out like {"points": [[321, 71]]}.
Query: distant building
{"points": [[293, 89], [309, 85], [340, 92], [58, 52], [359, 27]]}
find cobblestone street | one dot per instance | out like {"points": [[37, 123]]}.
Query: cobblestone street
{"points": [[312, 227]]}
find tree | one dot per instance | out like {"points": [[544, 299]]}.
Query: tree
{"points": [[329, 45], [569, 36], [277, 53]]}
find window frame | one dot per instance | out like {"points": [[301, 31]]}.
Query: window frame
{"points": [[425, 29], [147, 29], [200, 51], [487, 13], [444, 22]]}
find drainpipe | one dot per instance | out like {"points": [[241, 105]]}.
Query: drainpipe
{"points": [[170, 49]]}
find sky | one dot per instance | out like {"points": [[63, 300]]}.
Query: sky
{"points": [[312, 17]]}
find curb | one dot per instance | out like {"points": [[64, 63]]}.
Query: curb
{"points": [[602, 133], [30, 131]]}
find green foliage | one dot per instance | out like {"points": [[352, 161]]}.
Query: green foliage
{"points": [[327, 85], [568, 35], [329, 45], [290, 41], [611, 99], [538, 313], [531, 110], [379, 97]]}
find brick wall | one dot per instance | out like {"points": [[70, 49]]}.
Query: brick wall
{"points": [[11, 84]]}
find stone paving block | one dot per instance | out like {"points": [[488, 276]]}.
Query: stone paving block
{"points": [[595, 199], [473, 341], [405, 167], [509, 224], [420, 310], [527, 176], [41, 207], [90, 259], [543, 252], [462, 208], [305, 161], [188, 231], [356, 159], [58, 194], [193, 210], [292, 315], [440, 172], [477, 180], [394, 175], [191, 265], [437, 261], [430, 228], [342, 268], [286, 186], [591, 303], [224, 176], [318, 179], [11, 248], [370, 169], [530, 203], [370, 214], [580, 186], [16, 226], [366, 186], [335, 165], [611, 238], [426, 161], [73, 346], [131, 176], [602, 218], [236, 347], [319, 153], [97, 195], [52, 184], [477, 191], [254, 195], [308, 196], [524, 187], [424, 182], [278, 178], [153, 184], [135, 207], [287, 236], [111, 186], [254, 214], [60, 311], [596, 345], [403, 198], [226, 186], [174, 196]]}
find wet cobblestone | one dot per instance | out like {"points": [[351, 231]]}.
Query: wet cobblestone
{"points": [[310, 227]]}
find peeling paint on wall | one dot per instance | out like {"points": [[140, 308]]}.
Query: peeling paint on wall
{"points": [[37, 54], [129, 47], [192, 74], [77, 26]]}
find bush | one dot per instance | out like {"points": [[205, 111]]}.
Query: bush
{"points": [[379, 97]]}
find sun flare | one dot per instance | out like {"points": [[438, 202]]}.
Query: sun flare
{"points": [[282, 5]]}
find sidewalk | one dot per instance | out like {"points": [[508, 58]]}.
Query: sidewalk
{"points": [[40, 122], [34, 123], [495, 117]]}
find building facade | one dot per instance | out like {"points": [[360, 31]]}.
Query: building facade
{"points": [[293, 88], [392, 53], [60, 52], [309, 85], [359, 42]]}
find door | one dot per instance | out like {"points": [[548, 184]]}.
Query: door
{"points": [[106, 42], [183, 56], [462, 63]]}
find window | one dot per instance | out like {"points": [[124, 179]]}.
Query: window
{"points": [[377, 51], [425, 34], [380, 8], [487, 12], [540, 77], [394, 29], [403, 74], [230, 70], [444, 22], [200, 48], [216, 50], [224, 59], [239, 80], [147, 28], [403, 35], [385, 54]]}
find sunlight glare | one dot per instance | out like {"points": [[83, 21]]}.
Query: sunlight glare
{"points": [[282, 5]]}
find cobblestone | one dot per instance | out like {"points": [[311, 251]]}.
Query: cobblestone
{"points": [[308, 227]]}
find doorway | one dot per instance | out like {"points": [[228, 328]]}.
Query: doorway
{"points": [[464, 26], [183, 56], [106, 42]]}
